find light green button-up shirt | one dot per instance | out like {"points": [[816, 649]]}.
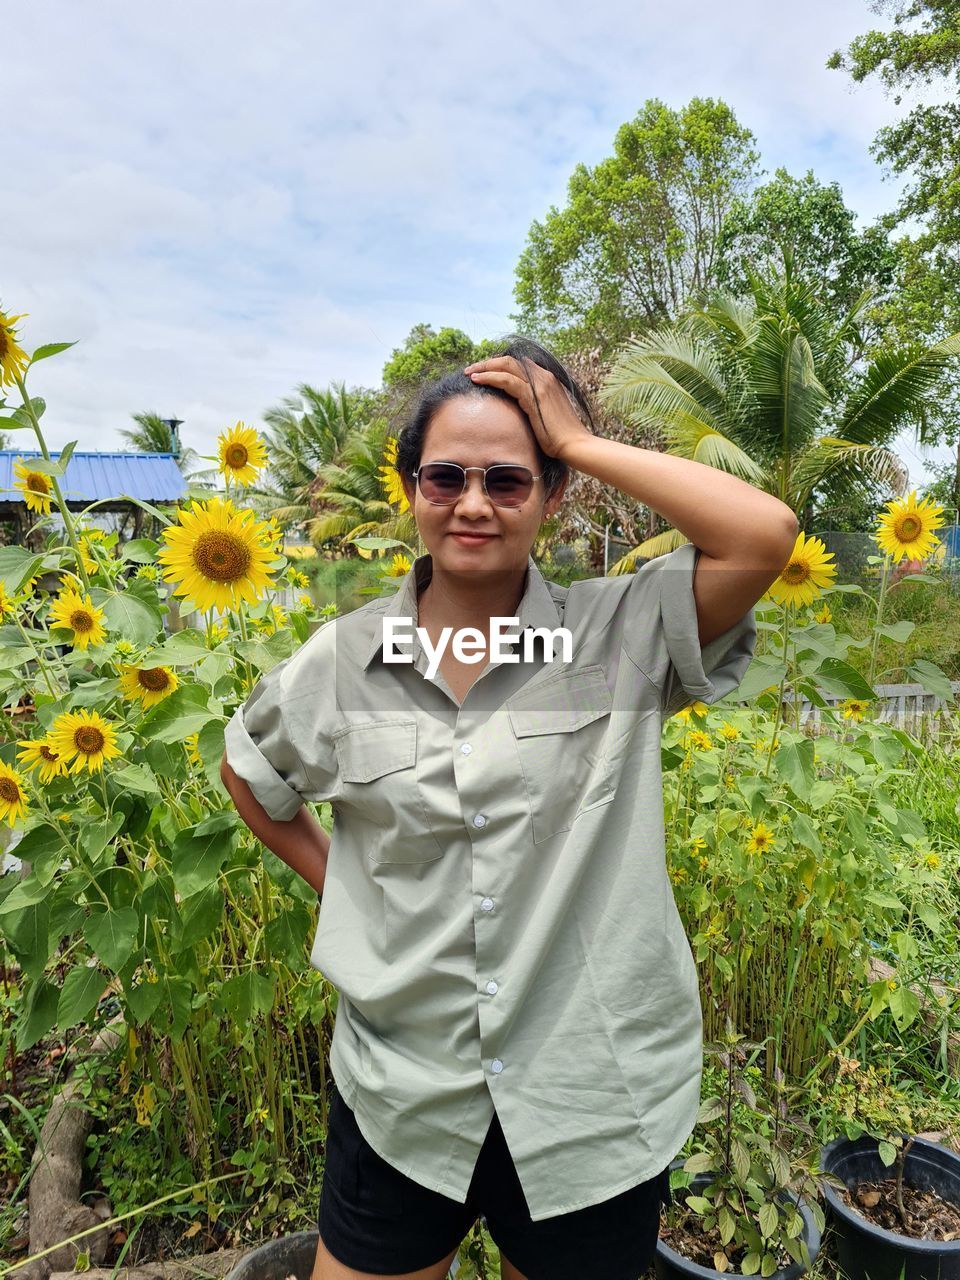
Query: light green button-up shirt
{"points": [[497, 916]]}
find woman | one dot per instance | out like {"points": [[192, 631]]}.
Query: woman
{"points": [[518, 1031]]}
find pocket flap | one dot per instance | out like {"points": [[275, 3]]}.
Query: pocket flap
{"points": [[561, 705], [368, 751]]}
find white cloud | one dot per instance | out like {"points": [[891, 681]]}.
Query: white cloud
{"points": [[220, 201]]}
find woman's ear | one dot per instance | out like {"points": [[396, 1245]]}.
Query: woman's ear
{"points": [[552, 503]]}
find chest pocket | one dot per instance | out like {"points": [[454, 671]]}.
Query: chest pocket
{"points": [[379, 783], [561, 729]]}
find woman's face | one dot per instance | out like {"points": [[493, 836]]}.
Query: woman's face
{"points": [[480, 431]]}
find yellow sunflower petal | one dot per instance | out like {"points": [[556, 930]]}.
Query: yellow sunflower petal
{"points": [[13, 359], [85, 738], [806, 573], [906, 528], [36, 487], [242, 454], [216, 556], [13, 795]]}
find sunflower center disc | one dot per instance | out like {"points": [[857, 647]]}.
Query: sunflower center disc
{"points": [[237, 455], [154, 679], [9, 790], [221, 557], [910, 527], [80, 620], [47, 754], [795, 572], [89, 739]]}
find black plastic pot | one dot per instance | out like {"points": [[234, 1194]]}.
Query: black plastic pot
{"points": [[868, 1252], [670, 1265], [289, 1256]]}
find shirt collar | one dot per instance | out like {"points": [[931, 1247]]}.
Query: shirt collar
{"points": [[537, 606]]}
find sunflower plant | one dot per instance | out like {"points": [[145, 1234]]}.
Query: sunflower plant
{"points": [[790, 855], [143, 882]]}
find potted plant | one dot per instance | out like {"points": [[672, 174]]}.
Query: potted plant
{"points": [[745, 1212], [896, 1210]]}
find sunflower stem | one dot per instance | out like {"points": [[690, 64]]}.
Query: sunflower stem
{"points": [[241, 614], [779, 707], [876, 626], [61, 501], [32, 646]]}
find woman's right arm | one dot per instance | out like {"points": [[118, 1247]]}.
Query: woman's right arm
{"points": [[301, 843]]}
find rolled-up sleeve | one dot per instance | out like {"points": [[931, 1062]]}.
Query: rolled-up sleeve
{"points": [[662, 637], [261, 749]]}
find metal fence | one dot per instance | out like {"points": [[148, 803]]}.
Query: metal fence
{"points": [[850, 552]]}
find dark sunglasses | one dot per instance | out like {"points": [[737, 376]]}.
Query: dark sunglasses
{"points": [[505, 484]]}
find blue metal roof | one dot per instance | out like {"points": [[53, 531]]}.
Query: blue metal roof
{"points": [[92, 477]]}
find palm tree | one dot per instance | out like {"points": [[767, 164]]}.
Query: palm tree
{"points": [[153, 435], [307, 433], [771, 390], [350, 496]]}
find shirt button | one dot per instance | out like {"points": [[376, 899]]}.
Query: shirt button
{"points": [[479, 820], [496, 1066], [487, 904], [465, 748]]}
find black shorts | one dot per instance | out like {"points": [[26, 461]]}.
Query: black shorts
{"points": [[374, 1218]]}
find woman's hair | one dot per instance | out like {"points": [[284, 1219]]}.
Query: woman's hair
{"points": [[456, 383]]}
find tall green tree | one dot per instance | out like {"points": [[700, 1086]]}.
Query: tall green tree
{"points": [[921, 53], [638, 235], [427, 354], [760, 389], [809, 218]]}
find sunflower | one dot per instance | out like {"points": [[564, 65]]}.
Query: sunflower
{"points": [[13, 359], [399, 566], [34, 485], [729, 731], [38, 754], [906, 529], [296, 578], [806, 573], [697, 738], [241, 454], [85, 735], [13, 797], [150, 684], [761, 839], [192, 744], [390, 477], [218, 632], [79, 614], [823, 615], [697, 708], [853, 708], [6, 604], [124, 647], [216, 555]]}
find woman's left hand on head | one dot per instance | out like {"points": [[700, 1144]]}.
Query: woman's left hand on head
{"points": [[557, 425]]}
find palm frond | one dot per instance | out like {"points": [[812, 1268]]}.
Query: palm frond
{"points": [[859, 462], [895, 389], [649, 549]]}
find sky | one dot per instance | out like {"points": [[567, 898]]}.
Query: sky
{"points": [[219, 201]]}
